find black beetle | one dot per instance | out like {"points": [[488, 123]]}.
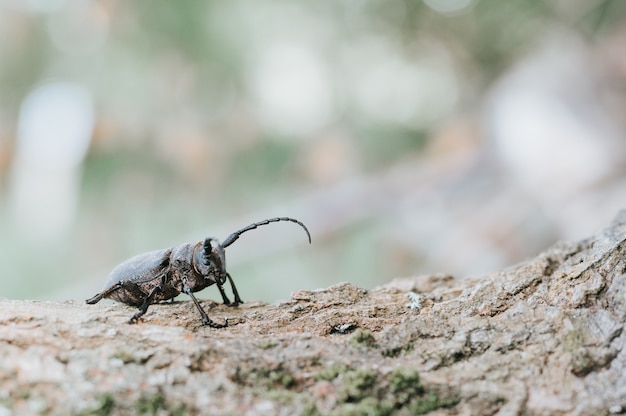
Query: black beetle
{"points": [[163, 274]]}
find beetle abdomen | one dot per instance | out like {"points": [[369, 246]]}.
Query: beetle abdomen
{"points": [[131, 294], [137, 277]]}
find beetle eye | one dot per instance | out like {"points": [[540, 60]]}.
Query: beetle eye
{"points": [[213, 255]]}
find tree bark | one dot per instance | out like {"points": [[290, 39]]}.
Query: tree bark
{"points": [[542, 337]]}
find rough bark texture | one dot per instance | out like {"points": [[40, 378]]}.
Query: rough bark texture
{"points": [[543, 337]]}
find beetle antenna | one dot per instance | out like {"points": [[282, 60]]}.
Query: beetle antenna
{"points": [[234, 236]]}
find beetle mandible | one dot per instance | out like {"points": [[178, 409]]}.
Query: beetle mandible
{"points": [[163, 274]]}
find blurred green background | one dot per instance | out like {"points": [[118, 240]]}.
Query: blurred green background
{"points": [[411, 136]]}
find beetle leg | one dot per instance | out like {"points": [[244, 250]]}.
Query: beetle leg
{"points": [[104, 294], [146, 303], [223, 293], [234, 288], [205, 319]]}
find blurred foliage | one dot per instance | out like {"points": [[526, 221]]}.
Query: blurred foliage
{"points": [[181, 143]]}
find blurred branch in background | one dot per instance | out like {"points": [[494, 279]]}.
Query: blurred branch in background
{"points": [[411, 137]]}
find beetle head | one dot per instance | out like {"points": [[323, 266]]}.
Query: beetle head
{"points": [[211, 261]]}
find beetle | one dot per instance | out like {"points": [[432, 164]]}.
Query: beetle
{"points": [[163, 274]]}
